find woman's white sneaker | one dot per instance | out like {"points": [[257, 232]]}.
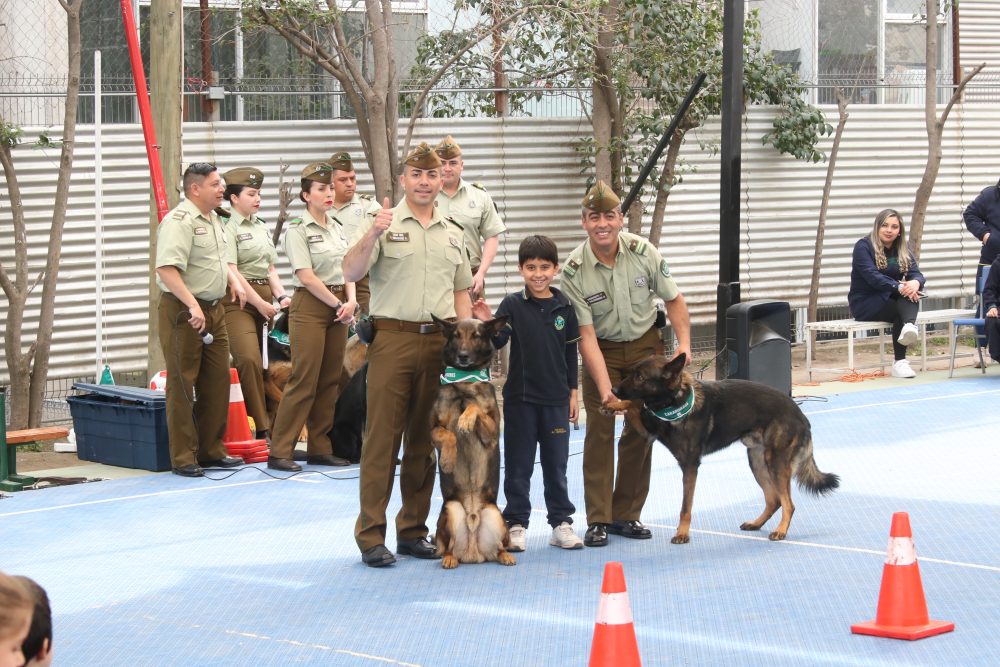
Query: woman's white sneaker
{"points": [[518, 540], [564, 537], [908, 336], [901, 369]]}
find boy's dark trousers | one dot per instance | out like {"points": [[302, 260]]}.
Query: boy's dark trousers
{"points": [[526, 424]]}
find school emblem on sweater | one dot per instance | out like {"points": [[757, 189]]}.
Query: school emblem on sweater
{"points": [[560, 322]]}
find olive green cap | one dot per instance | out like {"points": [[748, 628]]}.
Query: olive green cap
{"points": [[341, 161], [601, 198], [248, 176], [321, 172], [448, 149], [423, 157]]}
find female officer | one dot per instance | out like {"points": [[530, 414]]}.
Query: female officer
{"points": [[251, 259], [321, 311]]}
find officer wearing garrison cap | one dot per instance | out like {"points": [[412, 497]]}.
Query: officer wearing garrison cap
{"points": [[612, 279], [471, 206], [251, 251], [351, 209], [418, 267], [192, 273]]}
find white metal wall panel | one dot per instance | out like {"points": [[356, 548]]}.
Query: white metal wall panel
{"points": [[534, 174], [979, 25]]}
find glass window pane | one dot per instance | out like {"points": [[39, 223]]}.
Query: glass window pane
{"points": [[906, 7], [848, 48]]}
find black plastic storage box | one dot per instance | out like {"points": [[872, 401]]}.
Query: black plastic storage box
{"points": [[121, 426]]}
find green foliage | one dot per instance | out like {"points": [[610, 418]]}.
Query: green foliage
{"points": [[10, 135]]}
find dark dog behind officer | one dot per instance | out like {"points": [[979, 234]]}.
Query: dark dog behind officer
{"points": [[612, 279], [418, 268], [322, 309], [252, 257], [192, 273]]}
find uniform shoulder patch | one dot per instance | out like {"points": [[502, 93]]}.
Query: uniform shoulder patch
{"points": [[572, 266], [638, 246], [479, 186], [295, 221], [179, 215], [664, 268]]}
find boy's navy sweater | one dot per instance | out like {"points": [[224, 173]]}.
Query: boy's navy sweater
{"points": [[543, 358]]}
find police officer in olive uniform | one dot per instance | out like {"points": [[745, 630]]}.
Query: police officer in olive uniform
{"points": [[612, 279], [252, 252], [192, 273], [471, 206], [351, 210], [322, 309], [418, 267]]}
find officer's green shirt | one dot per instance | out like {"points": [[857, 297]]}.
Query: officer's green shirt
{"points": [[414, 271], [618, 301], [194, 243], [473, 209], [352, 214], [309, 245], [250, 246]]}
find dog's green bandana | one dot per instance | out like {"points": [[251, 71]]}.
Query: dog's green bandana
{"points": [[676, 413], [456, 375], [280, 336]]}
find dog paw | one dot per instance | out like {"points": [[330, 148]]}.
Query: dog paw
{"points": [[505, 558], [467, 420], [776, 535], [449, 562], [680, 539], [615, 407], [749, 525]]}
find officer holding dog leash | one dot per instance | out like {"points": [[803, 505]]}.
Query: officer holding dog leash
{"points": [[418, 267], [613, 279]]}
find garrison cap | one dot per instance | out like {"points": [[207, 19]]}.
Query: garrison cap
{"points": [[321, 172], [341, 161], [247, 176], [423, 157], [601, 198], [448, 149]]}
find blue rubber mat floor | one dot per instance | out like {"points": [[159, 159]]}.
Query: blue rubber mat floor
{"points": [[162, 570]]}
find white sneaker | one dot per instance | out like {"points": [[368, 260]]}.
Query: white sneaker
{"points": [[909, 335], [563, 536], [901, 369], [518, 540]]}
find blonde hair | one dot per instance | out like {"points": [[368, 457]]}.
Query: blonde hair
{"points": [[902, 250], [16, 605]]}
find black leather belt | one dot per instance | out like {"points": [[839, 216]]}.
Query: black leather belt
{"points": [[258, 281], [201, 302], [391, 324]]}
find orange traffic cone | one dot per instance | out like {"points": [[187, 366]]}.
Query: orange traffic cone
{"points": [[902, 610], [614, 642], [238, 439]]}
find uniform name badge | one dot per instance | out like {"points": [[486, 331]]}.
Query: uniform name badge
{"points": [[244, 237], [317, 238], [398, 237], [200, 231], [596, 298]]}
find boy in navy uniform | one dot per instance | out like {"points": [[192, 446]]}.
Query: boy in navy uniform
{"points": [[539, 396]]}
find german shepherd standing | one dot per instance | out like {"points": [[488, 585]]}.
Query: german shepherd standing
{"points": [[694, 418], [465, 430]]}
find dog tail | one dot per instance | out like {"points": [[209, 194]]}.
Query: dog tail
{"points": [[810, 477]]}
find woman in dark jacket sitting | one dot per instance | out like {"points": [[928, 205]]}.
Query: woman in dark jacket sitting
{"points": [[886, 285]]}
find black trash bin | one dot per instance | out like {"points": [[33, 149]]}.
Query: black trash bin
{"points": [[121, 426], [759, 340]]}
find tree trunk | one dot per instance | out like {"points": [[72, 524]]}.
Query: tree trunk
{"points": [[813, 307], [606, 119], [665, 179]]}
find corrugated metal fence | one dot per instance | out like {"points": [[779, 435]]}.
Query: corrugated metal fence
{"points": [[533, 172]]}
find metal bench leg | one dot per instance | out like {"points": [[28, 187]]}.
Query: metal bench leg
{"points": [[952, 344], [881, 349], [809, 356], [923, 347], [850, 349]]}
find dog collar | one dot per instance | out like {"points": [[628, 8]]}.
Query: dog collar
{"points": [[280, 337], [676, 413], [456, 375]]}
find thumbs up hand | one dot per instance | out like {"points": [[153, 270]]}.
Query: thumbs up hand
{"points": [[383, 218]]}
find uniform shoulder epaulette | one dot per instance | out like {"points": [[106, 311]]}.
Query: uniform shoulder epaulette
{"points": [[572, 266], [295, 221], [638, 246], [223, 213], [479, 185], [368, 197], [452, 221], [262, 221], [179, 214]]}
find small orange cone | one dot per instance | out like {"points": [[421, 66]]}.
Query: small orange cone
{"points": [[238, 439], [614, 642], [902, 610]]}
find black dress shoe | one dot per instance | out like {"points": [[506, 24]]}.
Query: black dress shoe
{"points": [[287, 465], [597, 535], [224, 462], [377, 556], [419, 548], [327, 460], [632, 529], [192, 470]]}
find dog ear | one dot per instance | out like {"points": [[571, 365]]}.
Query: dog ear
{"points": [[494, 326], [676, 365], [447, 328]]}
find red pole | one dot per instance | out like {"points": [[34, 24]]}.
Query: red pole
{"points": [[145, 113]]}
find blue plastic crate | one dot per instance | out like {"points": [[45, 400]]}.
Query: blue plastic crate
{"points": [[121, 426]]}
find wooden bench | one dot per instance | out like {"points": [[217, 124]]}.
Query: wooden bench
{"points": [[852, 327], [10, 440]]}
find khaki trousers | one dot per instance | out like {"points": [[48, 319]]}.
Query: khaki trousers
{"points": [[195, 428], [404, 376], [607, 495], [244, 326], [317, 342]]}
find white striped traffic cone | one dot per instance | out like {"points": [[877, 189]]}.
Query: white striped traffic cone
{"points": [[614, 643]]}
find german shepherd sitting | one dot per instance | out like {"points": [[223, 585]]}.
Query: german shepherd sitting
{"points": [[465, 430], [694, 418]]}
